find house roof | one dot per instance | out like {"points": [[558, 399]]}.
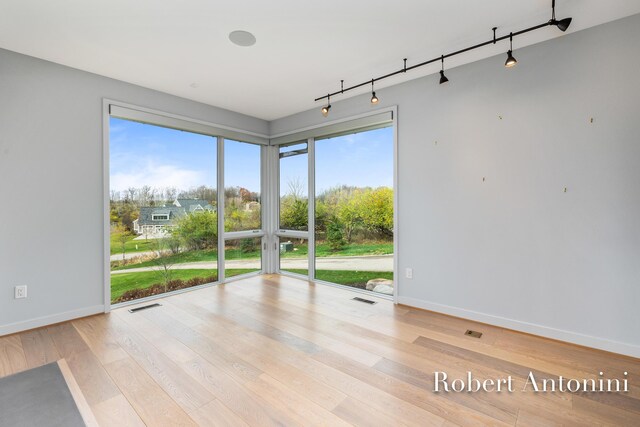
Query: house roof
{"points": [[177, 210], [173, 213], [192, 204]]}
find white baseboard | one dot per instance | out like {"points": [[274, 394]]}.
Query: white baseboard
{"points": [[38, 322], [531, 328]]}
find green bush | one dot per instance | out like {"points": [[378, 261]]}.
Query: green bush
{"points": [[294, 214], [335, 235], [198, 230], [248, 246]]}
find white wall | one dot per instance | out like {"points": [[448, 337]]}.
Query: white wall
{"points": [[51, 187], [516, 250]]}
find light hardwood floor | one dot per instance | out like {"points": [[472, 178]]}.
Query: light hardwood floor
{"points": [[272, 350]]}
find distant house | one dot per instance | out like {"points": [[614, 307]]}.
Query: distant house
{"points": [[160, 219]]}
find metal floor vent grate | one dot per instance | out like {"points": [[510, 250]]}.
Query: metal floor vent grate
{"points": [[366, 301], [144, 307], [473, 334]]}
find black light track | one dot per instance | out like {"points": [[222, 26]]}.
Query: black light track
{"points": [[562, 25]]}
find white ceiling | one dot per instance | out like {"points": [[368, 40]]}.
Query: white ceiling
{"points": [[303, 48]]}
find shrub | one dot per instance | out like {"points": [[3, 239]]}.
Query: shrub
{"points": [[198, 230], [335, 236], [247, 246]]}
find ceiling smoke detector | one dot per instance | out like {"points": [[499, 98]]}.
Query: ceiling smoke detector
{"points": [[242, 38]]}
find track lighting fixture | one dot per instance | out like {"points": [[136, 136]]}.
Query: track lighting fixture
{"points": [[511, 61], [561, 24], [374, 98], [443, 78], [326, 108]]}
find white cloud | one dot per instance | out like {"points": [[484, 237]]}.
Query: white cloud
{"points": [[157, 176]]}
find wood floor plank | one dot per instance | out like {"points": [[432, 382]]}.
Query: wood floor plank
{"points": [[12, 357], [234, 340], [116, 411], [414, 415], [427, 400], [67, 339], [485, 403], [338, 346], [39, 348], [302, 410], [605, 412], [247, 405], [96, 385], [96, 334], [83, 407], [360, 414], [153, 405], [167, 374], [411, 414], [215, 414]]}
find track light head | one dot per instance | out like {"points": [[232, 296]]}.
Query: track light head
{"points": [[374, 98], [443, 78], [511, 61], [326, 108], [562, 24]]}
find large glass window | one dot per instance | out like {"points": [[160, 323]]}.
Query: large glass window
{"points": [[163, 209], [294, 255], [242, 204], [242, 256], [354, 210], [294, 187]]}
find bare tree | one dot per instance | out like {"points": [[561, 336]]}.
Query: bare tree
{"points": [[170, 194], [132, 192], [123, 238], [163, 260], [296, 188]]}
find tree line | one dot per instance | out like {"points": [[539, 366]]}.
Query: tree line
{"points": [[344, 214]]}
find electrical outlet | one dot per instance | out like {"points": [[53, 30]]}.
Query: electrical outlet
{"points": [[409, 273], [20, 291]]}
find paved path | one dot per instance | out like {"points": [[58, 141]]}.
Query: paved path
{"points": [[129, 255], [353, 263]]}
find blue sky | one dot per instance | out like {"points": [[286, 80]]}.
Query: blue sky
{"points": [[159, 157]]}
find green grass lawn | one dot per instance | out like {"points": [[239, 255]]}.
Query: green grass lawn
{"points": [[322, 250], [181, 258], [130, 244], [354, 249], [121, 283], [347, 277]]}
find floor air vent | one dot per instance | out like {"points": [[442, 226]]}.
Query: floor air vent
{"points": [[144, 307], [474, 334], [366, 301]]}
